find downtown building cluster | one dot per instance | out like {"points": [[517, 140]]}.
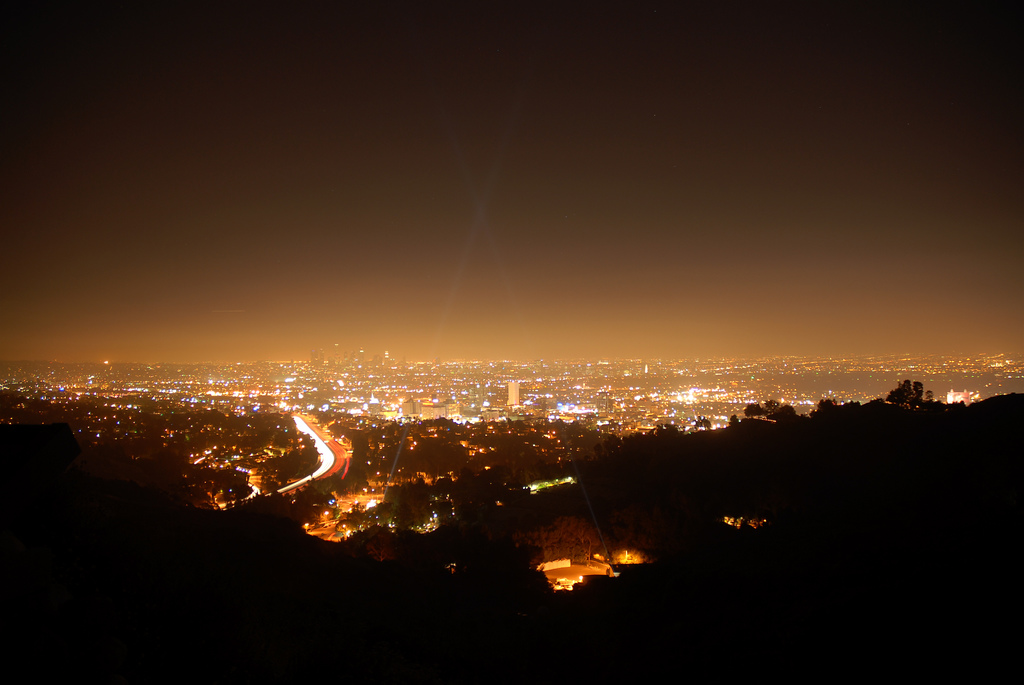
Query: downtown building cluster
{"points": [[617, 395]]}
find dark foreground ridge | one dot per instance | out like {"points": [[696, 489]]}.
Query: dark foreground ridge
{"points": [[889, 544]]}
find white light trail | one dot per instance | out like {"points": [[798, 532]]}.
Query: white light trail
{"points": [[326, 456]]}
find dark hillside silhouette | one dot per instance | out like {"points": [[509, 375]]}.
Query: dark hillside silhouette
{"points": [[888, 540]]}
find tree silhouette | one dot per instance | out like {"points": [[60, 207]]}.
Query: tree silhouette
{"points": [[784, 413], [908, 395], [568, 537]]}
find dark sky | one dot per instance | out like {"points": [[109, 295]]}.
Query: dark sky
{"points": [[495, 180]]}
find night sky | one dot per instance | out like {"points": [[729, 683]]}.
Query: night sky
{"points": [[507, 180]]}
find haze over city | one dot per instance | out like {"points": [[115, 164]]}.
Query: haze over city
{"points": [[461, 342], [252, 181]]}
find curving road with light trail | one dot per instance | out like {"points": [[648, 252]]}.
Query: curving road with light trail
{"points": [[333, 456]]}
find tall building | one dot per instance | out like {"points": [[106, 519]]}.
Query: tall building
{"points": [[513, 394]]}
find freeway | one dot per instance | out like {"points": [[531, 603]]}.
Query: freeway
{"points": [[333, 456]]}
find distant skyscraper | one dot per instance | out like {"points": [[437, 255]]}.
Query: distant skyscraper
{"points": [[513, 394]]}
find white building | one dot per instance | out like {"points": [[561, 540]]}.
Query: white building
{"points": [[513, 394], [952, 397]]}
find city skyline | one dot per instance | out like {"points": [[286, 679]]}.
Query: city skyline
{"points": [[248, 181], [569, 388]]}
